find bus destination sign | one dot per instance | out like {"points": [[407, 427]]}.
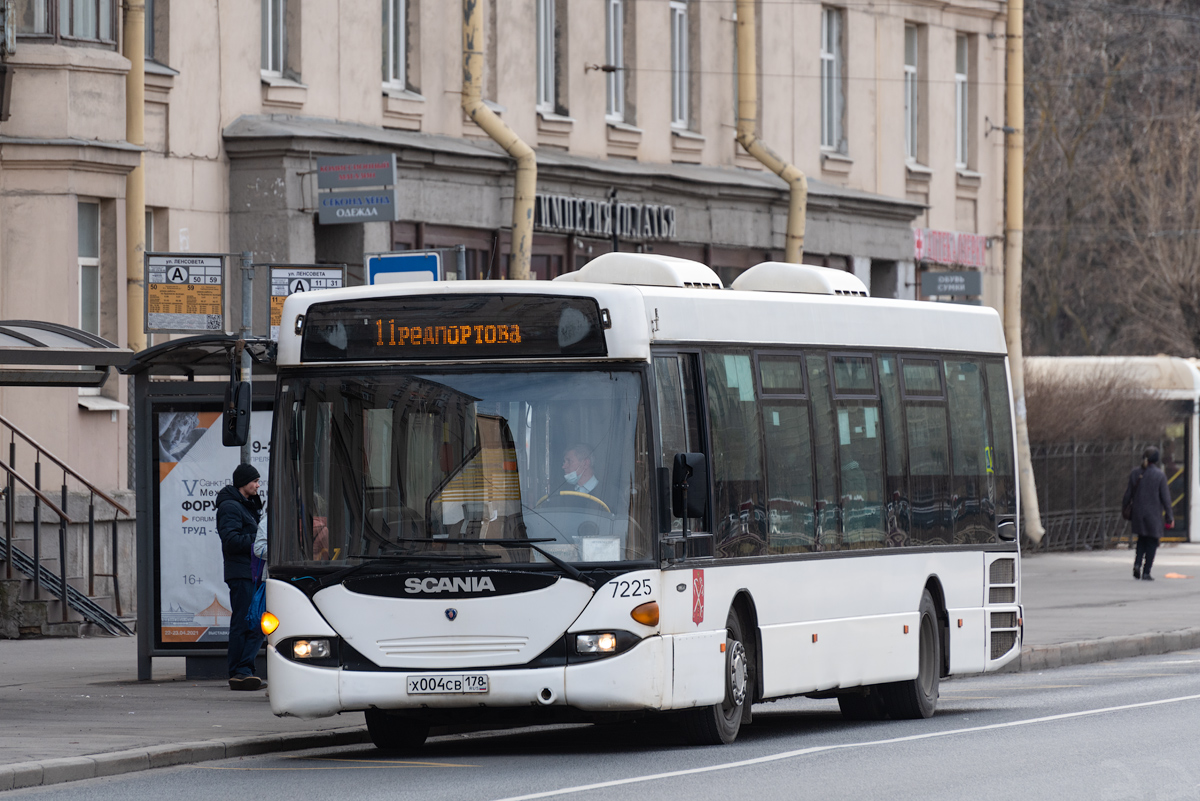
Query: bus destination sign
{"points": [[442, 327]]}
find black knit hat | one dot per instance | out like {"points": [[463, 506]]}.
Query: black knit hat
{"points": [[243, 474]]}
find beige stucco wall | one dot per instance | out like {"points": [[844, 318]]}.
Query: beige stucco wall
{"points": [[79, 92]]}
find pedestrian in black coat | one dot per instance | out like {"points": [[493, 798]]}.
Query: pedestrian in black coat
{"points": [[1151, 500], [238, 512]]}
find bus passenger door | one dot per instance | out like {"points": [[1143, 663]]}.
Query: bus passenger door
{"points": [[678, 423]]}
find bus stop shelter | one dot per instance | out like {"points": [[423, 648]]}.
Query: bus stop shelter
{"points": [[178, 393]]}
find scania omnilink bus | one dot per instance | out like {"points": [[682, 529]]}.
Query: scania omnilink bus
{"points": [[631, 491]]}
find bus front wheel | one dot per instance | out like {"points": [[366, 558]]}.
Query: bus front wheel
{"points": [[719, 724], [391, 733], [917, 698]]}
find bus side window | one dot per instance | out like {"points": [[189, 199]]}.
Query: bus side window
{"points": [[969, 438], [739, 516], [928, 451], [898, 507], [791, 522], [860, 451], [1002, 440], [825, 449]]}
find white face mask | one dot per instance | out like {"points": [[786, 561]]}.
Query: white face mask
{"points": [[571, 477]]}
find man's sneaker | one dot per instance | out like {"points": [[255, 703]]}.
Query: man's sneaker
{"points": [[245, 683], [1147, 577], [1137, 572]]}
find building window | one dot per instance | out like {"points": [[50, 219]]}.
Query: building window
{"points": [[832, 100], [962, 128], [149, 24], [615, 54], [274, 36], [545, 55], [86, 20], [680, 83], [911, 97], [395, 44], [89, 267]]}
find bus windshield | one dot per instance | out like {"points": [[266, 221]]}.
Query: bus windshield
{"points": [[434, 467]]}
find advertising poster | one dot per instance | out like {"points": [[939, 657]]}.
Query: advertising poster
{"points": [[193, 466]]}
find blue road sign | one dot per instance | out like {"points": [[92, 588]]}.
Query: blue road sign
{"points": [[390, 268]]}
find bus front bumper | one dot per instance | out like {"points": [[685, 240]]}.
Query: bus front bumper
{"points": [[634, 680]]}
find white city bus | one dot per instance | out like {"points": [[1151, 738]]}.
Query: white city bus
{"points": [[479, 492]]}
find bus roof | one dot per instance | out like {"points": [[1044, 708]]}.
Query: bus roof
{"points": [[645, 316]]}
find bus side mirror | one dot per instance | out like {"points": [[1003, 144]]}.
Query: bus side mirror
{"points": [[235, 418], [1007, 531], [689, 485]]}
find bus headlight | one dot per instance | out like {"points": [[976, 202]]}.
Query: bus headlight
{"points": [[310, 649], [591, 645], [604, 643]]}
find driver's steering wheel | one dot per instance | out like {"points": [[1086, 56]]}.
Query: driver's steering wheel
{"points": [[575, 494]]}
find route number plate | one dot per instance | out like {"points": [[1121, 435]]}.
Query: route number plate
{"points": [[462, 683]]}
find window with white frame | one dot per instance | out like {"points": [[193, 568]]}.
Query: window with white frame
{"points": [[89, 267], [911, 93], [395, 44], [961, 110], [274, 36], [91, 20], [545, 55], [832, 100], [615, 54], [680, 78]]}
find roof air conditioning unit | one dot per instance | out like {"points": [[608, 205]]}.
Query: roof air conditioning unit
{"points": [[779, 276], [645, 269]]}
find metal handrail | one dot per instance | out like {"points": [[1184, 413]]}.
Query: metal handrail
{"points": [[65, 467], [41, 495]]}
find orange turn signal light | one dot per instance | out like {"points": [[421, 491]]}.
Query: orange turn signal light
{"points": [[269, 623], [646, 614]]}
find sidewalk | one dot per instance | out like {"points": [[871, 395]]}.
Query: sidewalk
{"points": [[73, 709]]}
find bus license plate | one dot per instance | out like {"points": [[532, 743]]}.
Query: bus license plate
{"points": [[466, 683]]}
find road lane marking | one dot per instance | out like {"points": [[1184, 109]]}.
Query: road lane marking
{"points": [[843, 746]]}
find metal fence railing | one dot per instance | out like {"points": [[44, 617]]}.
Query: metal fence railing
{"points": [[1080, 486]]}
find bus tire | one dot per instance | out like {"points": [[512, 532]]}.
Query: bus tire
{"points": [[865, 705], [391, 733], [719, 724], [917, 698]]}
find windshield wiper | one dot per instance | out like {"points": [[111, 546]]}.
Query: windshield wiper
{"points": [[566, 567]]}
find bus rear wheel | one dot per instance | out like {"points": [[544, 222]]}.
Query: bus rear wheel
{"points": [[719, 724], [391, 733], [917, 698]]}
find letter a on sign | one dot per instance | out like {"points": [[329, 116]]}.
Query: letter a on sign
{"points": [[697, 596]]}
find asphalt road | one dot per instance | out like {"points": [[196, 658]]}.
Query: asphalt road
{"points": [[1114, 730]]}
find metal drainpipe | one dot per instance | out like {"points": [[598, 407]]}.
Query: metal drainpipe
{"points": [[747, 135], [1014, 243], [525, 181], [135, 182]]}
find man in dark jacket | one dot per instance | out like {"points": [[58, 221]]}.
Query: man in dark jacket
{"points": [[1151, 500], [238, 512]]}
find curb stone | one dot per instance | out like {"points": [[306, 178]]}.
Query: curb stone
{"points": [[1082, 652], [67, 769]]}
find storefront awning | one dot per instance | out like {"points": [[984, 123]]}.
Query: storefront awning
{"points": [[40, 354]]}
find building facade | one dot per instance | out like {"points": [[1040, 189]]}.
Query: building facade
{"points": [[890, 109]]}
